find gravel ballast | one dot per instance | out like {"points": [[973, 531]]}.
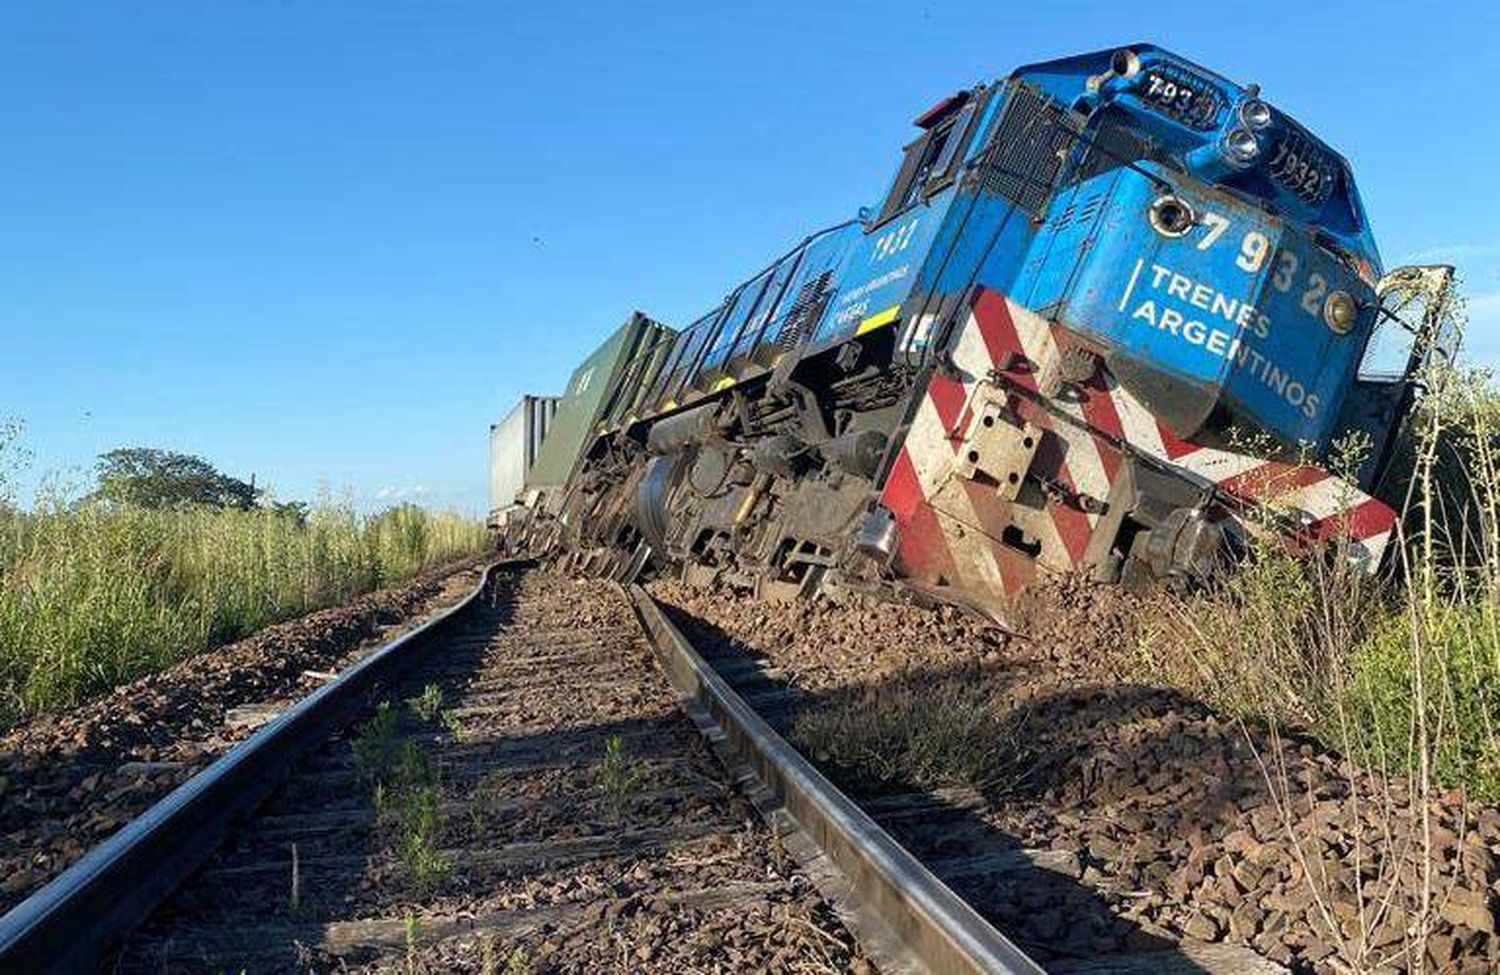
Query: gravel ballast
{"points": [[1171, 820], [70, 780]]}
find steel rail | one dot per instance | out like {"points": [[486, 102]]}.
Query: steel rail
{"points": [[70, 924], [898, 898]]}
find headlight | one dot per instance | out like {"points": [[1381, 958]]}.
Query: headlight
{"points": [[1340, 311], [1241, 146], [1171, 216], [1125, 63], [1255, 113]]}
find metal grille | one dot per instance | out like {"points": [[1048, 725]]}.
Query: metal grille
{"points": [[1114, 142], [805, 311], [1027, 150]]}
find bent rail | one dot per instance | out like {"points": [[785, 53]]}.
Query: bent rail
{"points": [[69, 924], [933, 929]]}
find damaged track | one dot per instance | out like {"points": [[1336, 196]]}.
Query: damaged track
{"points": [[511, 785]]}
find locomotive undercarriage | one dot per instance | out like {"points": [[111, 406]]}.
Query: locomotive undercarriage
{"points": [[772, 487], [762, 488], [781, 486]]}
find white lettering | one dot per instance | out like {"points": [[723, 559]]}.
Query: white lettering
{"points": [[1241, 315]]}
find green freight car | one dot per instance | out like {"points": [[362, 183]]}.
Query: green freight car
{"points": [[603, 393]]}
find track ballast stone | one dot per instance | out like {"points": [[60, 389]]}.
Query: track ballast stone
{"points": [[1159, 818], [579, 823]]}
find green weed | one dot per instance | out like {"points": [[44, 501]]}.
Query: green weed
{"points": [[427, 704], [453, 725], [894, 737], [413, 936], [407, 798], [619, 776], [420, 833], [375, 746]]}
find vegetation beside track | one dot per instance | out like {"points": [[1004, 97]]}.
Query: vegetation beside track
{"points": [[96, 592], [1402, 672]]}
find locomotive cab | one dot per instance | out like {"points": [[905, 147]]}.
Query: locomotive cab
{"points": [[1413, 331], [1259, 254]]}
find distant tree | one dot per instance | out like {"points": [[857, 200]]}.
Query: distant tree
{"points": [[153, 478]]}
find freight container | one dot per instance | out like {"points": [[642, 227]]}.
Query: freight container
{"points": [[514, 444], [604, 388]]}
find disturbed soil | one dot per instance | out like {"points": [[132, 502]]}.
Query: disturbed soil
{"points": [[528, 799], [1147, 816], [69, 780]]}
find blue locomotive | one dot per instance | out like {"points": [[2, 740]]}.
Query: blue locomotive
{"points": [[1114, 313]]}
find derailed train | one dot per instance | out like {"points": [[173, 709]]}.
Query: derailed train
{"points": [[1114, 314]]}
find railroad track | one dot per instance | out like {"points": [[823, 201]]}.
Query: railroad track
{"points": [[1020, 889], [514, 777], [515, 784]]}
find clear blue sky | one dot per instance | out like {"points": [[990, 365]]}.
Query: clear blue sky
{"points": [[333, 241]]}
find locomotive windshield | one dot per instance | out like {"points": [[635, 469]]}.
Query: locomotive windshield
{"points": [[928, 162]]}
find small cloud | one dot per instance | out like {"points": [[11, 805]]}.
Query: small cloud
{"points": [[407, 492], [1454, 252]]}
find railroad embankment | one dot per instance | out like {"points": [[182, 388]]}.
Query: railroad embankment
{"points": [[71, 779], [1182, 820]]}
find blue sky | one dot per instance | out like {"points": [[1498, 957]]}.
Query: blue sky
{"points": [[330, 242]]}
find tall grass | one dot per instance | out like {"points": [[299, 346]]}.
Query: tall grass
{"points": [[93, 595], [1398, 672], [1401, 672]]}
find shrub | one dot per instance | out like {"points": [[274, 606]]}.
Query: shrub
{"points": [[1401, 672]]}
